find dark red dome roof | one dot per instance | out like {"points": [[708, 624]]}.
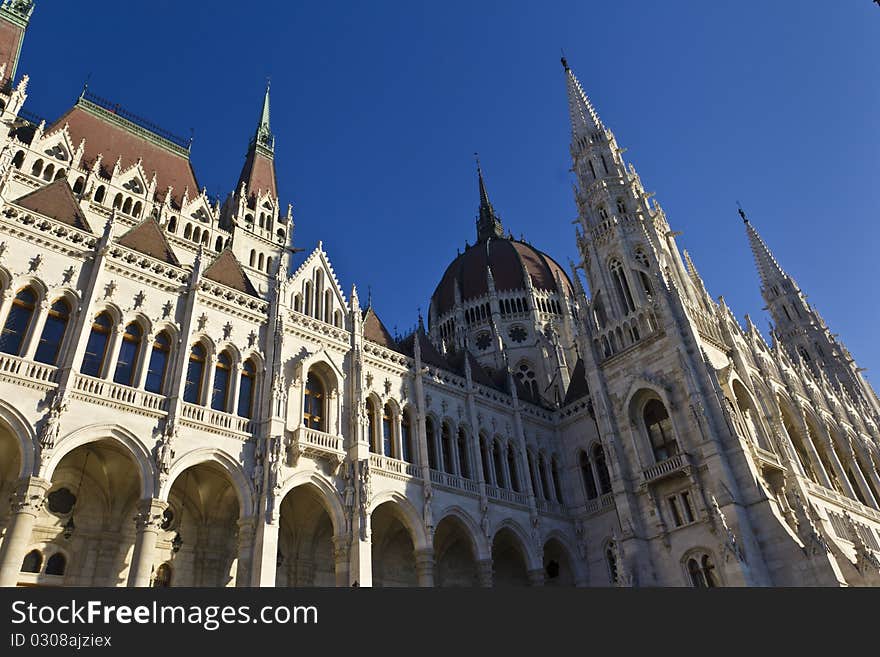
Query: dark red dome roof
{"points": [[506, 257]]}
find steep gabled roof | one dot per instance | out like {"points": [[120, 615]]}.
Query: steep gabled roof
{"points": [[148, 238], [375, 331], [56, 201], [226, 270], [577, 388]]}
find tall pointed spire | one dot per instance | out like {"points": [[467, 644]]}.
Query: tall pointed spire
{"points": [[258, 172], [584, 119], [488, 222], [263, 137], [768, 268]]}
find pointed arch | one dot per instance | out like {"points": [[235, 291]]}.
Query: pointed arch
{"points": [[406, 513], [240, 482], [327, 494]]}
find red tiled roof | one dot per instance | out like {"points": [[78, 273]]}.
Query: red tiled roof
{"points": [[227, 270], [258, 173], [104, 136], [148, 238], [375, 331], [56, 201]]}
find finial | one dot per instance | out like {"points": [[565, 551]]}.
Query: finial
{"points": [[564, 60], [369, 296], [742, 213], [85, 85]]}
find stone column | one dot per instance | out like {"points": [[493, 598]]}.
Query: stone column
{"points": [[27, 501], [143, 360], [148, 522], [536, 577], [207, 393], [265, 553], [32, 338], [111, 356], [234, 387], [341, 545], [6, 305], [425, 567], [484, 572], [246, 534]]}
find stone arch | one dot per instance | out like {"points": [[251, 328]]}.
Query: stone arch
{"points": [[229, 464], [139, 454], [24, 435], [481, 546], [406, 513], [511, 557], [327, 493], [557, 549], [456, 552]]}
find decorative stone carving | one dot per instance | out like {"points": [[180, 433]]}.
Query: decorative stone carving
{"points": [[51, 427], [365, 494], [729, 546]]}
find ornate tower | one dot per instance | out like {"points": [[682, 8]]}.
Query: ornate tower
{"points": [[801, 329], [14, 18]]}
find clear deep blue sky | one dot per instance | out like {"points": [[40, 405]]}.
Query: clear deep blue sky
{"points": [[378, 107]]}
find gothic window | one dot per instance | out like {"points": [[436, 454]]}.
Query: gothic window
{"points": [[373, 423], [611, 560], [61, 501], [158, 364], [246, 389], [218, 245], [337, 319], [79, 185], [268, 264], [659, 428], [587, 476], [48, 172], [56, 564], [37, 169], [18, 321], [542, 472], [517, 333], [702, 572], [448, 449], [192, 389], [486, 455], [621, 206], [220, 388], [642, 259], [328, 306], [406, 437], [592, 169], [603, 213], [511, 467], [646, 285], [499, 465], [253, 258], [604, 163], [126, 363], [799, 447], [32, 562], [96, 347], [464, 468], [172, 224], [18, 160], [297, 303], [99, 193], [197, 234], [526, 375], [307, 306], [260, 262], [533, 471], [388, 430], [557, 484], [483, 341], [620, 283], [601, 469], [432, 443], [313, 414], [599, 311], [187, 232]]}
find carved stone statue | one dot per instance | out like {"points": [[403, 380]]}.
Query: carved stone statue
{"points": [[49, 434]]}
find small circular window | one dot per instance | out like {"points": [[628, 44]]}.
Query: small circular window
{"points": [[168, 518], [483, 341], [61, 501], [517, 333]]}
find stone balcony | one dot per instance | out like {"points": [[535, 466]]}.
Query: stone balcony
{"points": [[509, 496], [394, 468], [834, 497], [114, 395], [317, 445], [27, 373], [768, 459], [675, 466], [455, 483], [599, 505], [202, 417]]}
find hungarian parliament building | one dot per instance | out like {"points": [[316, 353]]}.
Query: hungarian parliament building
{"points": [[184, 404]]}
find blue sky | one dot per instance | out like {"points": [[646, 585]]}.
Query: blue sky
{"points": [[378, 107]]}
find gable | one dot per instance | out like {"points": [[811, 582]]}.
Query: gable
{"points": [[148, 238], [56, 201], [375, 331], [317, 260], [226, 270]]}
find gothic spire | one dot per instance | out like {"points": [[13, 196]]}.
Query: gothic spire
{"points": [[768, 268], [263, 136], [584, 119], [488, 222], [258, 172]]}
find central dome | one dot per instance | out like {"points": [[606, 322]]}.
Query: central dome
{"points": [[509, 260]]}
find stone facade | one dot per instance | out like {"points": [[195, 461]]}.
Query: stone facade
{"points": [[180, 406]]}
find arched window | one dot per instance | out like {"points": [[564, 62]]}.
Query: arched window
{"points": [[197, 234], [246, 389], [195, 370], [620, 283], [464, 467], [511, 468], [96, 347], [18, 322], [611, 560], [37, 169], [218, 245], [307, 305], [557, 484], [601, 469], [56, 564], [53, 333], [158, 364], [268, 264], [79, 185], [328, 306], [48, 172], [337, 319], [406, 437], [99, 193], [187, 232], [162, 579], [387, 431], [172, 224], [659, 428], [542, 472], [533, 471], [621, 206], [448, 449], [297, 303], [32, 562], [526, 375], [253, 258], [128, 354], [313, 416], [587, 476], [136, 211], [373, 424], [18, 160], [498, 461], [702, 572], [260, 261], [222, 375], [432, 443], [117, 201]]}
